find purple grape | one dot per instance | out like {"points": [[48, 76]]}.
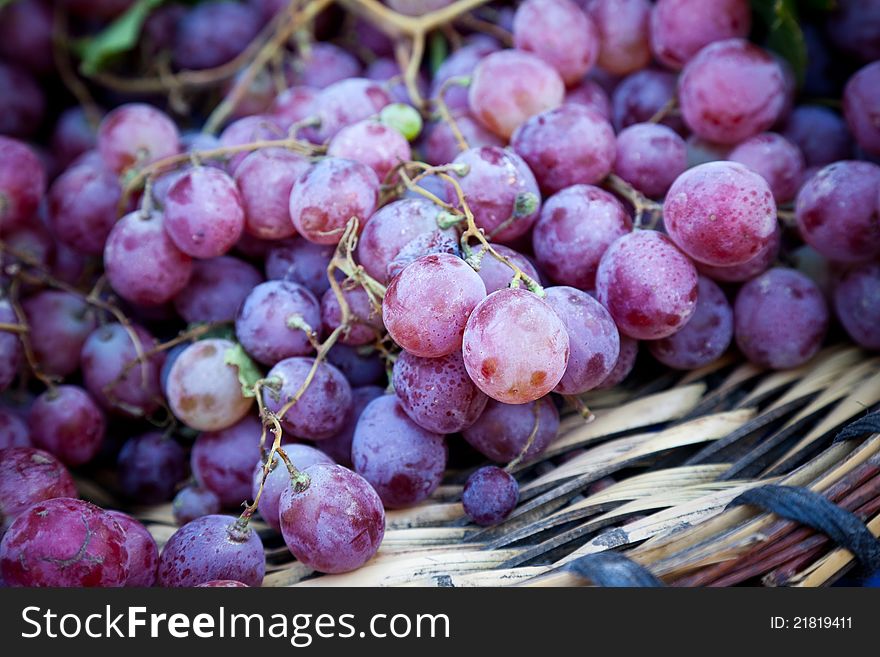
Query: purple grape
{"points": [[143, 553], [776, 159], [68, 423], [247, 130], [647, 284], [460, 64], [293, 105], [374, 144], [490, 495], [497, 275], [624, 34], [209, 548], [780, 319], [194, 502], [10, 347], [720, 213], [13, 431], [857, 304], [427, 305], [386, 69], [576, 227], [264, 179], [650, 157], [135, 135], [705, 337], [346, 102], [593, 336], [329, 194], [59, 324], [321, 410], [401, 460], [365, 320], [336, 524], [590, 94], [22, 183], [838, 212], [106, 354], [503, 430], [731, 90], [22, 103], [216, 289], [214, 33], [642, 95], [338, 446], [34, 241], [854, 27], [680, 28], [511, 86], [565, 146], [26, 35], [322, 64], [302, 457], [437, 241], [749, 269], [223, 461], [441, 146], [360, 365], [64, 542], [861, 105], [28, 476], [203, 389], [820, 133], [142, 263], [73, 135], [515, 347], [629, 350], [300, 261], [149, 467]]}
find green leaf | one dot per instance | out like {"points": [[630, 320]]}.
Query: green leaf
{"points": [[118, 37], [780, 23], [248, 372], [225, 331], [438, 49]]}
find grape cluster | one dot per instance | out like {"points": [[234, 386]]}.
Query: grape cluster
{"points": [[298, 301]]}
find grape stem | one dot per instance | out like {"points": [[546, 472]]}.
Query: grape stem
{"points": [[668, 108], [13, 328], [641, 203], [24, 336], [578, 404], [445, 114]]}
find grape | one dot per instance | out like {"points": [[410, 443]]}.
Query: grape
{"points": [[64, 542], [142, 264], [320, 411], [322, 64], [365, 321], [194, 502], [83, 203], [203, 212], [213, 33], [402, 461], [776, 159], [59, 324], [107, 353], [861, 105], [360, 365], [498, 275], [509, 87], [504, 430], [13, 431], [338, 446], [390, 229], [209, 548], [369, 142], [576, 227], [749, 269], [720, 213], [387, 70], [223, 461], [33, 241], [223, 584], [22, 183], [595, 343], [135, 135], [590, 94], [293, 105], [247, 130], [499, 189], [346, 102], [566, 146], [780, 319], [650, 157], [730, 91], [73, 135], [302, 457], [437, 393], [67, 422], [680, 28], [372, 38], [515, 347], [837, 211], [490, 495], [427, 305], [705, 337], [642, 95], [820, 133], [203, 389], [441, 146], [143, 553], [149, 467], [629, 350], [300, 261], [329, 194], [22, 103], [647, 284], [264, 179], [336, 523], [269, 323], [216, 289], [461, 64], [26, 35], [854, 27], [624, 34], [437, 241], [857, 303], [28, 476]]}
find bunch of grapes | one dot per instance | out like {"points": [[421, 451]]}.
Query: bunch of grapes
{"points": [[301, 268]]}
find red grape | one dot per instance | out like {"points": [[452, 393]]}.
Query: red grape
{"points": [[143, 553], [590, 94], [750, 268], [642, 95], [135, 135], [650, 157], [498, 275], [338, 446], [264, 179], [629, 350], [820, 133], [490, 495], [13, 430], [194, 502], [293, 105], [504, 430], [322, 64], [22, 183], [375, 144], [624, 34], [249, 129], [861, 106], [437, 241], [28, 476], [776, 159], [26, 35], [68, 423], [74, 135], [223, 461], [213, 33], [365, 320], [149, 467], [857, 303], [461, 64], [59, 324], [22, 103], [360, 365], [346, 102], [216, 289], [854, 27]]}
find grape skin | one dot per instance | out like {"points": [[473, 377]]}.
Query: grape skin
{"points": [[28, 476], [375, 144], [136, 135], [503, 430], [647, 284], [780, 319], [861, 107], [216, 289], [22, 183], [498, 275], [515, 347], [346, 102], [59, 324], [149, 468], [292, 105], [143, 553], [437, 241], [26, 35], [322, 65], [73, 135], [820, 133], [461, 64], [302, 262], [213, 33], [302, 457], [650, 157], [338, 446], [641, 95], [22, 102], [749, 269], [365, 322], [10, 347], [222, 461], [629, 351], [776, 159], [13, 431], [624, 34], [857, 304], [402, 462], [194, 502], [68, 423], [490, 495], [360, 365], [249, 129], [441, 146], [264, 180], [590, 94]]}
